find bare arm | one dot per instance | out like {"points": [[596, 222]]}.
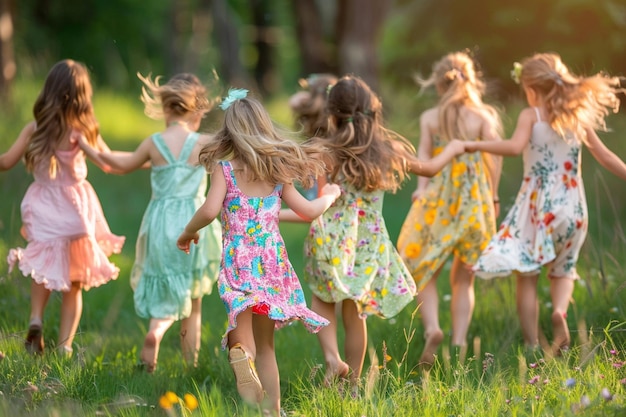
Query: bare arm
{"points": [[494, 162], [206, 213], [604, 155], [432, 166], [11, 157], [116, 161], [513, 146], [310, 209], [424, 153]]}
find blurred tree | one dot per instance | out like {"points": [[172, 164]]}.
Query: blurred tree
{"points": [[358, 25], [227, 38], [315, 52], [7, 61], [264, 41]]}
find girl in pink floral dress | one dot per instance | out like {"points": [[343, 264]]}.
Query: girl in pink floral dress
{"points": [[253, 168], [547, 225]]}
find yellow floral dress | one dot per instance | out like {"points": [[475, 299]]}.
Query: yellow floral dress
{"points": [[455, 215]]}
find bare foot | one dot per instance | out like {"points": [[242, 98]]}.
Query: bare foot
{"points": [[561, 333], [149, 352], [433, 340], [335, 371]]}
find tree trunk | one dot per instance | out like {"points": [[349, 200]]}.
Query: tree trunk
{"points": [[358, 25], [227, 40], [264, 41], [7, 60], [314, 51]]}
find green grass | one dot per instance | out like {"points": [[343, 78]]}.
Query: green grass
{"points": [[499, 379]]}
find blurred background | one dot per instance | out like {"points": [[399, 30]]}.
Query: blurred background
{"points": [[268, 44]]}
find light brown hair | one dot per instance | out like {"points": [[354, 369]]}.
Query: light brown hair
{"points": [[267, 153], [63, 104], [573, 103], [363, 152], [311, 113]]}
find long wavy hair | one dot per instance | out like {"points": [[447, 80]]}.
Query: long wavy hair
{"points": [[363, 152], [266, 151], [458, 84], [63, 104], [573, 103], [180, 95]]}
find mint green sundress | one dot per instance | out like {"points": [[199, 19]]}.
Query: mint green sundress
{"points": [[166, 279]]}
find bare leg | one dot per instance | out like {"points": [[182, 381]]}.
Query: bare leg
{"points": [[462, 306], [39, 297], [241, 356], [266, 362], [356, 338], [152, 342], [71, 310], [190, 333], [561, 290], [528, 309], [327, 336], [428, 302]]}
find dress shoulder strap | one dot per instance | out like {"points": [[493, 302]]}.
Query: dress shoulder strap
{"points": [[158, 141], [190, 142], [538, 113]]}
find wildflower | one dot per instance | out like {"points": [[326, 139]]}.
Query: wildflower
{"points": [[546, 381], [533, 365], [606, 394], [618, 365], [508, 401], [585, 401], [534, 380], [613, 352], [570, 382], [622, 381], [165, 402]]}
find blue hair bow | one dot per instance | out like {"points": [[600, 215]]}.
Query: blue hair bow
{"points": [[234, 94]]}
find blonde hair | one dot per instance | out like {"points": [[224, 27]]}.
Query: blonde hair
{"points": [[573, 103], [459, 84], [249, 135], [311, 113], [63, 104], [181, 95], [363, 152]]}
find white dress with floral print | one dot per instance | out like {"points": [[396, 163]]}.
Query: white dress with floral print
{"points": [[547, 225], [349, 256]]}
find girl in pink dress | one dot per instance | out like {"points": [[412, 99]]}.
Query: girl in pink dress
{"points": [[253, 168], [69, 240]]}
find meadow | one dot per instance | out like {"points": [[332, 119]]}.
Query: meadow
{"points": [[499, 378]]}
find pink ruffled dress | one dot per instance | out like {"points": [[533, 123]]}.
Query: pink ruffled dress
{"points": [[68, 237]]}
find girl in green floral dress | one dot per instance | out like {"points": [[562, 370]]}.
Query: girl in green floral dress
{"points": [[350, 259]]}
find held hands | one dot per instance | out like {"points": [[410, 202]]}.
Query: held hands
{"points": [[332, 190], [457, 147], [185, 239], [470, 146]]}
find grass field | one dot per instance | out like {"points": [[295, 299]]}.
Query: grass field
{"points": [[499, 379]]}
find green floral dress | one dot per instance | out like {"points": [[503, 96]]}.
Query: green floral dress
{"points": [[349, 256], [455, 215]]}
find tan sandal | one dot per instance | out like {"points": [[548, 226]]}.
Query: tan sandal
{"points": [[248, 383]]}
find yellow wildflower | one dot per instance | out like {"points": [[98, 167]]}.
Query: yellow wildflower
{"points": [[190, 401]]}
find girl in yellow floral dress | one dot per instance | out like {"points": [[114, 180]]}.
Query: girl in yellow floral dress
{"points": [[454, 212]]}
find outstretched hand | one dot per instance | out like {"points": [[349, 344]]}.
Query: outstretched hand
{"points": [[184, 240], [332, 190], [457, 146], [470, 146]]}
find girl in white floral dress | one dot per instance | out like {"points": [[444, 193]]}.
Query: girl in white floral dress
{"points": [[547, 225], [350, 258]]}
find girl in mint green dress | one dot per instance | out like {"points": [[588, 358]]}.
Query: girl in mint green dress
{"points": [[168, 283]]}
